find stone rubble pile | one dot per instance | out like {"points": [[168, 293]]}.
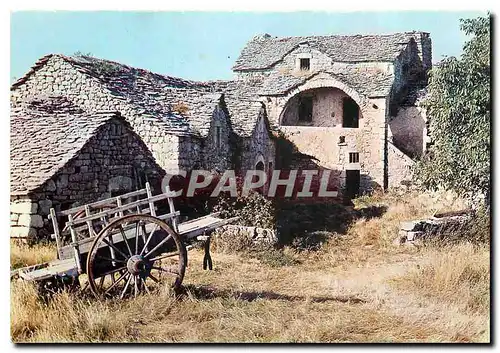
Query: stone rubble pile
{"points": [[255, 234], [418, 230]]}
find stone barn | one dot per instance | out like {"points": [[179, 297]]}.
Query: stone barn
{"points": [[62, 157]]}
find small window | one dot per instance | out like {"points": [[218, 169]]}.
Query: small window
{"points": [[353, 157], [142, 178], [218, 136], [342, 139], [305, 64], [405, 70], [350, 112], [305, 109]]}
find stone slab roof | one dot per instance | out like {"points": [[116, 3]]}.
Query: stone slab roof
{"points": [[368, 83], [46, 133], [262, 52], [181, 104], [197, 107], [242, 102], [152, 95]]}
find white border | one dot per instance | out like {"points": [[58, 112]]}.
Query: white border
{"points": [[185, 5]]}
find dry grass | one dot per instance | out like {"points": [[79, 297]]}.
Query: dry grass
{"points": [[458, 274], [370, 240], [358, 287]]}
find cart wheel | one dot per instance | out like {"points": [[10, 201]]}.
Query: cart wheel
{"points": [[132, 254]]}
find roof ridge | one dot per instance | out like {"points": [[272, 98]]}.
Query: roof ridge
{"points": [[74, 60], [262, 53], [341, 35]]}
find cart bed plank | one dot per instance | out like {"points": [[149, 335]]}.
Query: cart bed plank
{"points": [[202, 225], [55, 268]]}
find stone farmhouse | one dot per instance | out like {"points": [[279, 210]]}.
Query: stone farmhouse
{"points": [[84, 128], [350, 102], [72, 157]]}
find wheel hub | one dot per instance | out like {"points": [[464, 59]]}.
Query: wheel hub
{"points": [[138, 265]]}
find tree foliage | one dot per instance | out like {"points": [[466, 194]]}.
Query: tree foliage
{"points": [[458, 109]]}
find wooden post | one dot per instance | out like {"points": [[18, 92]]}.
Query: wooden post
{"points": [[75, 245], [151, 203], [119, 204], [172, 209], [89, 223]]}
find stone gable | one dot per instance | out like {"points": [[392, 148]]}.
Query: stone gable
{"points": [[112, 159]]}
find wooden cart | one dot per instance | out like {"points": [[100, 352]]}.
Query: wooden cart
{"points": [[122, 245]]}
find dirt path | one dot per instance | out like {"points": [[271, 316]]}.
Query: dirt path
{"points": [[371, 285], [361, 297]]}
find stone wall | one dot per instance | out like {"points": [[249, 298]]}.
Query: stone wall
{"points": [[217, 148], [115, 160], [258, 147], [408, 68], [400, 167], [408, 130], [319, 61], [324, 143], [322, 62], [231, 236]]}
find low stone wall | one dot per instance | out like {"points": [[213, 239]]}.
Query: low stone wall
{"points": [[115, 160], [27, 217], [418, 230]]}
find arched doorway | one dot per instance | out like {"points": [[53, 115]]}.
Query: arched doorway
{"points": [[260, 165], [321, 107]]}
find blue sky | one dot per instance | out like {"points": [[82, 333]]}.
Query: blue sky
{"points": [[203, 45]]}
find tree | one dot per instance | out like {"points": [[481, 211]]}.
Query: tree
{"points": [[459, 110]]}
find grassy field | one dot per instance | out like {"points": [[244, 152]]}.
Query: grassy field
{"points": [[356, 287]]}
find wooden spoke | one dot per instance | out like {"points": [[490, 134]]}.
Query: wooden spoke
{"points": [[115, 270], [145, 286], [109, 259], [171, 254], [137, 238], [114, 248], [167, 238], [136, 286], [101, 281], [153, 278], [169, 271], [126, 287], [125, 240], [117, 281], [148, 240], [144, 232]]}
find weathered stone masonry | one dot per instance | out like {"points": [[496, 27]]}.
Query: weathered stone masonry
{"points": [[110, 159], [379, 72]]}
